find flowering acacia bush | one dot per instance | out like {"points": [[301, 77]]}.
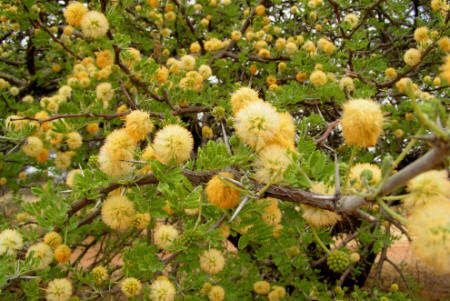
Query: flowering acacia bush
{"points": [[221, 150]]}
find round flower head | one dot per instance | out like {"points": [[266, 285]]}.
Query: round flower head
{"points": [[63, 160], [104, 92], [390, 73], [33, 146], [430, 186], [94, 25], [351, 19], [187, 62], [412, 57], [53, 239], [242, 97], [43, 253], [257, 123], [130, 287], [131, 56], [445, 69], [104, 58], [271, 164], [65, 91], [173, 143], [10, 242], [164, 236], [162, 73], [119, 145], [217, 293], [59, 290], [74, 13], [212, 261], [318, 78], [100, 274], [141, 220], [70, 179], [444, 43], [138, 124], [261, 287], [316, 216], [74, 140], [291, 47], [118, 212], [362, 122], [421, 34], [271, 214], [205, 71], [327, 46], [114, 168], [162, 290], [403, 83], [62, 254], [222, 194], [429, 228], [357, 178], [346, 83]]}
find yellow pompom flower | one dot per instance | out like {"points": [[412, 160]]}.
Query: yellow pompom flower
{"points": [[187, 62], [59, 290], [271, 164], [445, 69], [242, 97], [138, 124], [236, 35], [277, 293], [205, 71], [94, 25], [327, 46], [430, 186], [403, 83], [74, 13], [220, 194], [33, 146], [217, 293], [316, 216], [212, 261], [412, 57], [62, 254], [114, 168], [104, 58], [71, 177], [286, 134], [119, 145], [141, 220], [118, 212], [421, 34], [195, 47], [346, 83], [43, 253], [261, 287], [162, 74], [429, 228], [351, 19], [10, 242], [362, 122], [164, 236], [53, 239], [130, 287], [92, 128], [99, 274], [162, 290], [271, 214], [257, 123], [444, 43], [356, 172], [390, 73], [260, 9], [173, 143], [74, 140], [318, 78], [104, 92], [63, 160]]}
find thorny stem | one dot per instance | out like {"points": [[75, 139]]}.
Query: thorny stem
{"points": [[391, 212]]}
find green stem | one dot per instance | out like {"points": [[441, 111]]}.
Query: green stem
{"points": [[426, 121], [197, 222], [391, 212], [407, 149], [350, 164], [395, 197], [319, 241]]}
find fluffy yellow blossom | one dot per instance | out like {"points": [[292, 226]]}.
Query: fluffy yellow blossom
{"points": [[141, 220], [70, 179], [430, 186], [346, 83], [257, 123], [445, 69], [260, 9], [286, 134], [212, 261], [412, 57], [213, 44], [118, 212], [162, 74], [327, 46], [356, 172], [222, 194], [94, 25], [162, 290], [444, 43], [53, 239], [277, 293], [74, 13], [104, 58], [173, 143], [362, 122], [74, 140], [261, 287], [318, 78], [138, 124], [195, 47], [309, 46], [236, 35], [390, 73], [192, 81], [207, 132], [242, 97], [92, 128], [271, 214], [316, 216], [62, 254], [187, 62], [119, 145], [351, 19], [164, 236], [130, 287], [104, 92], [271, 164], [100, 274], [421, 34], [131, 56], [59, 289], [403, 83], [10, 242], [217, 293], [63, 160], [205, 71], [33, 146], [429, 228], [43, 253], [114, 168]]}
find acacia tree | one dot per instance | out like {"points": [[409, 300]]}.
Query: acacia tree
{"points": [[234, 150]]}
